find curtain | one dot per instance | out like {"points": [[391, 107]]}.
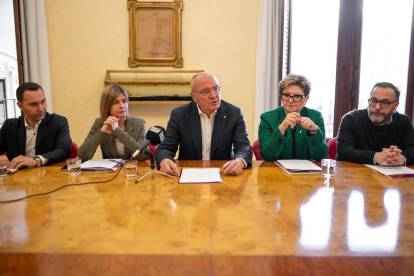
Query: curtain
{"points": [[35, 49], [267, 59]]}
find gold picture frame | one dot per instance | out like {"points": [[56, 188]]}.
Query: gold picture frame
{"points": [[155, 33]]}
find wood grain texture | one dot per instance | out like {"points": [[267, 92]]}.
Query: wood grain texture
{"points": [[102, 264], [303, 266], [262, 222]]}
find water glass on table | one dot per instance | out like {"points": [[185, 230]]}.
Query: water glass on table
{"points": [[130, 168], [3, 168], [74, 166], [328, 167]]}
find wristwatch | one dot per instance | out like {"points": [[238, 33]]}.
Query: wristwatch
{"points": [[38, 160]]}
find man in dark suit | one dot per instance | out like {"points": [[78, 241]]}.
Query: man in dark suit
{"points": [[37, 138], [206, 129]]}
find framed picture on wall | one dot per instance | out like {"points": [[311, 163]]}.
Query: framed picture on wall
{"points": [[155, 33]]}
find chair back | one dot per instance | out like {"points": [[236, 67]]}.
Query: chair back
{"points": [[332, 147], [256, 150], [153, 149], [74, 150]]}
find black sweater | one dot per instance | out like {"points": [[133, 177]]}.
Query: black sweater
{"points": [[359, 139]]}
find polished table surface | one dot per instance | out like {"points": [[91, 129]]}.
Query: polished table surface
{"points": [[262, 222]]}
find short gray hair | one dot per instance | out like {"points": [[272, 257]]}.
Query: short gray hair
{"points": [[388, 85], [293, 79]]}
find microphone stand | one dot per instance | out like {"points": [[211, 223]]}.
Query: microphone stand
{"points": [[152, 166]]}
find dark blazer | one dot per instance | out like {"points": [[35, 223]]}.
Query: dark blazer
{"points": [[52, 140], [229, 139]]}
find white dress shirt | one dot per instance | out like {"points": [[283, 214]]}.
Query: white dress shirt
{"points": [[206, 132], [31, 134]]}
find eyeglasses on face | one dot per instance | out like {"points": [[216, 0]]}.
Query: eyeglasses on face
{"points": [[287, 97], [383, 104], [206, 92]]}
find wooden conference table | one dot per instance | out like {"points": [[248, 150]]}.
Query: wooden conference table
{"points": [[263, 222]]}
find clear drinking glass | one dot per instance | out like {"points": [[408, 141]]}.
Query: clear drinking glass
{"points": [[328, 167], [131, 168], [3, 168], [74, 166]]}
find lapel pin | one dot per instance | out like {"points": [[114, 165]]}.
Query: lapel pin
{"points": [[224, 116]]}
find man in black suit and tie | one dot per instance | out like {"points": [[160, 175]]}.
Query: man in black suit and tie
{"points": [[206, 129], [37, 138]]}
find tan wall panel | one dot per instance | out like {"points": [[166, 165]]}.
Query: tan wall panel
{"points": [[88, 37]]}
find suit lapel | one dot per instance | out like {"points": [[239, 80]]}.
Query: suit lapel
{"points": [[219, 124], [22, 137], [301, 134], [110, 145], [194, 127], [129, 128], [42, 130]]}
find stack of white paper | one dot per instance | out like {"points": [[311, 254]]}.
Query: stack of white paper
{"points": [[298, 166], [393, 171], [207, 175], [101, 165]]}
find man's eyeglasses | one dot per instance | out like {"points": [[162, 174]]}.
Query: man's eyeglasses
{"points": [[206, 92], [383, 104], [296, 98]]}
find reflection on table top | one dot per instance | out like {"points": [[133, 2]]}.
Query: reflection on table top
{"points": [[261, 222]]}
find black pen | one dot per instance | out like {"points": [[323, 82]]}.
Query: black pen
{"points": [[118, 162]]}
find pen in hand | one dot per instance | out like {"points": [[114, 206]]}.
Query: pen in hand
{"points": [[166, 174]]}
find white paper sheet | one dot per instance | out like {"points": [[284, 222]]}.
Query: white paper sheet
{"points": [[204, 175], [299, 166], [100, 164], [393, 171]]}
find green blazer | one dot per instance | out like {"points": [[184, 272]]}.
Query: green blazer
{"points": [[274, 145]]}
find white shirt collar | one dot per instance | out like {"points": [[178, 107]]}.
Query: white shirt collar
{"points": [[201, 112], [27, 125]]}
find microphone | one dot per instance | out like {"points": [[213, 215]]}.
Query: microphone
{"points": [[141, 149], [154, 136]]}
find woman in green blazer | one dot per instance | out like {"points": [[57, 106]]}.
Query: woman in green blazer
{"points": [[292, 131]]}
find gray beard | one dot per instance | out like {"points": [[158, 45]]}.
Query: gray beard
{"points": [[378, 121]]}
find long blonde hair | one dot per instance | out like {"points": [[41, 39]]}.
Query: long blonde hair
{"points": [[108, 96]]}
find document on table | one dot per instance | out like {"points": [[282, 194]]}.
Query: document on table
{"points": [[101, 165], [202, 175], [295, 166], [393, 171]]}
